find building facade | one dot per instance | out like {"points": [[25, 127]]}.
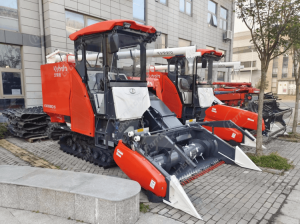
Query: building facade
{"points": [[31, 29], [280, 75]]}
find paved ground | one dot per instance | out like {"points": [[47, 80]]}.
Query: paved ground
{"points": [[13, 216], [228, 194]]}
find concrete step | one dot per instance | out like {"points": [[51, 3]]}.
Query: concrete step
{"points": [[79, 196]]}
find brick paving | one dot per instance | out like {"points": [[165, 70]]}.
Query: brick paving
{"points": [[228, 194], [7, 158]]}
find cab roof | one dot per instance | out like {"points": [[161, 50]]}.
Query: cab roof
{"points": [[109, 25], [206, 51]]}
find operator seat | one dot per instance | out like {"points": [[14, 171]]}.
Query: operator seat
{"points": [[184, 87]]}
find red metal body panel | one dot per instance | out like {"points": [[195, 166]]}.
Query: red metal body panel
{"points": [[230, 96], [206, 51], [170, 96], [226, 134], [64, 94], [109, 25], [137, 168], [56, 88], [242, 118], [240, 90], [82, 114]]}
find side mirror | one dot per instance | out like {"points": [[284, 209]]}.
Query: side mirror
{"points": [[204, 63], [114, 43]]}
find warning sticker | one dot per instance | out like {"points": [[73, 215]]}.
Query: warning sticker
{"points": [[152, 184], [233, 135], [119, 153]]}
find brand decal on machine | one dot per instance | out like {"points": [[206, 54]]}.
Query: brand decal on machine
{"points": [[233, 135], [58, 69], [152, 184], [132, 91], [165, 52], [149, 83], [250, 120], [154, 76], [50, 106], [119, 153], [214, 110]]}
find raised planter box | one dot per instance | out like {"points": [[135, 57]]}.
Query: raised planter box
{"points": [[80, 196]]}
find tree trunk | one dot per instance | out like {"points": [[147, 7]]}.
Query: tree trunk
{"points": [[295, 122], [259, 149]]}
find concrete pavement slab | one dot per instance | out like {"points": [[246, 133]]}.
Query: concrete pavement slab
{"points": [[291, 209], [149, 218], [294, 196], [282, 219]]}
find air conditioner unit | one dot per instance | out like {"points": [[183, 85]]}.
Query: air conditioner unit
{"points": [[228, 35]]}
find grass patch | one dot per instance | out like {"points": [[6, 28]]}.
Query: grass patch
{"points": [[3, 130], [273, 161], [144, 208]]}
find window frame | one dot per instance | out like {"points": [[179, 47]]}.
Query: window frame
{"points": [[159, 1], [185, 11], [137, 19], [285, 67], [210, 48], [222, 19], [213, 14], [85, 18], [2, 95], [19, 22], [184, 40], [166, 40]]}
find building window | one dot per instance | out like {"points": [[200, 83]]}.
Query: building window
{"points": [[163, 1], [11, 79], [241, 50], [247, 64], [10, 56], [185, 6], [164, 39], [274, 85], [183, 43], [285, 69], [223, 53], [212, 14], [138, 11], [210, 48], [9, 19], [275, 67], [293, 72], [223, 18], [221, 76], [76, 21]]}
